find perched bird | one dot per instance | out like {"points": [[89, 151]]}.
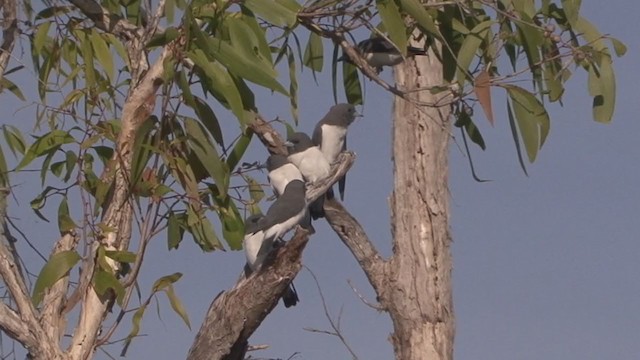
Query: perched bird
{"points": [[379, 52], [312, 164], [286, 212], [257, 248], [281, 173], [330, 134]]}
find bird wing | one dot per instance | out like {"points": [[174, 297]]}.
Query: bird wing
{"points": [[342, 183]]}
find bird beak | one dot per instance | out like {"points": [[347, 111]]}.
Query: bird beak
{"points": [[288, 143]]}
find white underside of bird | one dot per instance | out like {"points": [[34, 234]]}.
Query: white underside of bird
{"points": [[312, 163], [332, 141], [252, 244], [280, 177], [383, 59]]}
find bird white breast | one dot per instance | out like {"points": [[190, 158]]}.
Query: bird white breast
{"points": [[252, 244], [278, 230], [332, 141], [280, 177], [383, 59], [312, 163]]}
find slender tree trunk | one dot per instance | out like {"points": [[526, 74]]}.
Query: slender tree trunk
{"points": [[420, 273]]}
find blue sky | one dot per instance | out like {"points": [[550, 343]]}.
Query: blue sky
{"points": [[545, 266]]}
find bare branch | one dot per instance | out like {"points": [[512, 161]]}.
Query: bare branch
{"points": [[30, 334], [334, 325], [139, 105], [235, 314], [12, 325], [353, 236]]}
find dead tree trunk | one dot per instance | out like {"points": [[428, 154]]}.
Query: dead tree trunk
{"points": [[421, 305]]}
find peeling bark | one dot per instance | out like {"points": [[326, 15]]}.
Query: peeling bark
{"points": [[419, 300]]}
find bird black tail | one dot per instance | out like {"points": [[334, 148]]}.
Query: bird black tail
{"points": [[316, 209], [290, 296], [412, 50]]}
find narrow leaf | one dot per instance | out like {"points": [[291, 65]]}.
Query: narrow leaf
{"points": [[352, 87], [65, 222], [58, 266], [177, 306], [393, 23], [272, 12], [205, 151], [101, 49], [165, 281], [516, 138], [313, 53], [482, 88], [469, 48]]}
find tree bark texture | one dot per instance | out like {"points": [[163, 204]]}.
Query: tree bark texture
{"points": [[419, 274]]}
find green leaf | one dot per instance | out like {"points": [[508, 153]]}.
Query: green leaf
{"points": [[532, 119], [313, 53], [232, 224], [464, 120], [135, 326], [272, 12], [209, 120], [602, 83], [4, 171], [57, 267], [177, 306], [516, 139], [43, 145], [245, 40], [65, 222], [87, 56], [233, 60], [532, 41], [101, 49], [121, 256], [14, 139], [41, 37], [175, 230], [238, 150], [165, 281], [618, 46], [103, 281], [572, 10], [352, 87], [393, 23], [205, 151], [15, 90], [221, 81], [422, 16], [469, 48], [202, 231]]}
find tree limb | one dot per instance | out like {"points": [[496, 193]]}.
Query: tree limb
{"points": [[353, 236], [28, 332], [235, 314], [138, 106]]}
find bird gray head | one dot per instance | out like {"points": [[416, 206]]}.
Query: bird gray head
{"points": [[251, 224], [298, 142], [276, 161], [341, 115]]}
